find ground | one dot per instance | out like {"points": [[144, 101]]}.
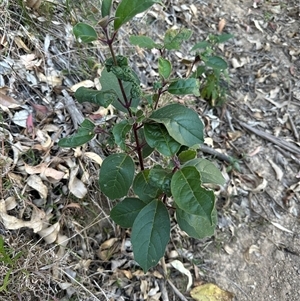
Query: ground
{"points": [[254, 253]]}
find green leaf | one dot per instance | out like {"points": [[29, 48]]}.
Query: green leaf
{"points": [[109, 81], [185, 86], [216, 62], [105, 8], [146, 149], [196, 226], [174, 38], [224, 37], [116, 175], [182, 123], [158, 137], [101, 98], [84, 134], [127, 9], [208, 171], [85, 32], [201, 45], [142, 187], [150, 234], [188, 194], [187, 155], [125, 212], [144, 42], [164, 68], [160, 178], [120, 131]]}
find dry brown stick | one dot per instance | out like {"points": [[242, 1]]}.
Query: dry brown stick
{"points": [[232, 161], [163, 290], [294, 129], [283, 144], [176, 291], [76, 115]]}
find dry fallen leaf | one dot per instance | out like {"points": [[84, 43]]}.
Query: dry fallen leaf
{"points": [[37, 184], [34, 4], [20, 118], [12, 223], [93, 156], [30, 61], [45, 171], [257, 25], [76, 186], [49, 234], [8, 101], [178, 265], [10, 203], [53, 80], [85, 84], [44, 139], [277, 169], [221, 25], [210, 292], [19, 42]]}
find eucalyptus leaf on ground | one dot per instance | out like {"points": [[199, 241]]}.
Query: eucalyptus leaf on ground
{"points": [[150, 234]]}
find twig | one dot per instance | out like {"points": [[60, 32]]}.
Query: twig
{"points": [[76, 115], [295, 131], [176, 291], [208, 150], [283, 144], [163, 290], [229, 118]]}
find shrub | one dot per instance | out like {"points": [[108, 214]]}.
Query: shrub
{"points": [[147, 194]]}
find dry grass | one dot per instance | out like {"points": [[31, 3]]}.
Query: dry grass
{"points": [[46, 271]]}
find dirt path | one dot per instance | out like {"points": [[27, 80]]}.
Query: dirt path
{"points": [[255, 253]]}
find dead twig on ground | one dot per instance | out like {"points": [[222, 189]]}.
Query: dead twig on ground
{"points": [[283, 144], [208, 150], [76, 115], [176, 291]]}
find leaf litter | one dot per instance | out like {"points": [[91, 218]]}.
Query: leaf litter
{"points": [[262, 111]]}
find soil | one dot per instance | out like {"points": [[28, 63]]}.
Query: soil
{"points": [[255, 252]]}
